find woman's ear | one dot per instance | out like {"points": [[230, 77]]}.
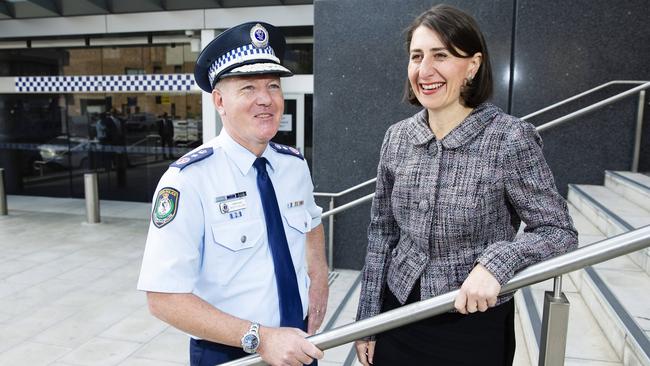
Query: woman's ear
{"points": [[475, 64]]}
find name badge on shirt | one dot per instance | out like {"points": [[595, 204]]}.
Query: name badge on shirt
{"points": [[232, 203]]}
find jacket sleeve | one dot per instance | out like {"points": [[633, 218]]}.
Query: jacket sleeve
{"points": [[383, 234], [531, 190]]}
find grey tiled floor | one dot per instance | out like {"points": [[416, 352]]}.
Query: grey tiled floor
{"points": [[67, 289], [68, 297]]}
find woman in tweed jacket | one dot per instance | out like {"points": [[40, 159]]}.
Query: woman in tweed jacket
{"points": [[454, 182]]}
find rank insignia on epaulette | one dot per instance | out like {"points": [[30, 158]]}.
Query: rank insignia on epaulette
{"points": [[166, 206], [283, 149], [192, 158]]}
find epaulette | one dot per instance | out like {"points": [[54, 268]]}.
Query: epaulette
{"points": [[192, 158], [283, 149]]}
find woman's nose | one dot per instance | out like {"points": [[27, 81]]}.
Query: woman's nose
{"points": [[426, 67]]}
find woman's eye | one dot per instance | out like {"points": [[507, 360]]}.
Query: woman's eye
{"points": [[416, 57], [440, 56]]}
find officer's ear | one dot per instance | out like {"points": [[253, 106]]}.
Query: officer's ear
{"points": [[217, 99]]}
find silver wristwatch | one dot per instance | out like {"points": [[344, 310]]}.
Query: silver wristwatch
{"points": [[251, 340]]}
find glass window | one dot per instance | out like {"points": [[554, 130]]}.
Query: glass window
{"points": [[48, 141]]}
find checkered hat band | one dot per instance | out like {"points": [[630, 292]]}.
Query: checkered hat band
{"points": [[238, 55]]}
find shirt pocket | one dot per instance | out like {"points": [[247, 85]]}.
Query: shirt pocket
{"points": [[235, 246], [298, 219], [298, 223]]}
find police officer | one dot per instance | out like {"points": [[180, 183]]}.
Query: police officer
{"points": [[235, 250]]}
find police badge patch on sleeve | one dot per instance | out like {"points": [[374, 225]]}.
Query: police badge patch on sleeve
{"points": [[166, 206]]}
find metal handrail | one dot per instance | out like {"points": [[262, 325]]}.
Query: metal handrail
{"points": [[332, 211], [348, 205], [554, 267], [578, 96], [593, 107], [344, 192]]}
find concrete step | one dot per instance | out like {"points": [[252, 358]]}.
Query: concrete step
{"points": [[587, 343], [617, 292], [612, 214], [610, 302], [633, 186]]}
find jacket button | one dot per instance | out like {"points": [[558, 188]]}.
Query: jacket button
{"points": [[243, 238], [423, 205]]}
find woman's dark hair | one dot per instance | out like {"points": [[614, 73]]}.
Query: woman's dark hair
{"points": [[458, 31]]}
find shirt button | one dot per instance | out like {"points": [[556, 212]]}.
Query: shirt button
{"points": [[423, 205], [243, 238]]}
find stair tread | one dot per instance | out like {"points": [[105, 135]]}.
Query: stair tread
{"points": [[585, 339], [615, 202], [637, 177]]}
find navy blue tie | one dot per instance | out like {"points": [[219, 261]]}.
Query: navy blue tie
{"points": [[285, 274]]}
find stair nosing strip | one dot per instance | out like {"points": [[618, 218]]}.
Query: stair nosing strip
{"points": [[535, 320], [629, 180], [344, 302], [602, 207], [632, 327], [349, 360]]}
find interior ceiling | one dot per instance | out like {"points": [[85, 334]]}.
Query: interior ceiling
{"points": [[25, 9]]}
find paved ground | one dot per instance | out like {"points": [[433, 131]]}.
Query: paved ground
{"points": [[68, 289]]}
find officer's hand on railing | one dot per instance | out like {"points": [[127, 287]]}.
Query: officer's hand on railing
{"points": [[286, 347], [365, 352], [479, 291]]}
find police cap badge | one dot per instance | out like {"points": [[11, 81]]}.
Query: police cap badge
{"points": [[252, 48]]}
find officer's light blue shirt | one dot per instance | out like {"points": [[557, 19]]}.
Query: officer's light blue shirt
{"points": [[216, 245]]}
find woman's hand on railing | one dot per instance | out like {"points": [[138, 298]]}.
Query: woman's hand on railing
{"points": [[479, 291], [365, 351]]}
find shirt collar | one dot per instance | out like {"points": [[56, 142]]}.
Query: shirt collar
{"points": [[241, 156], [471, 126], [238, 154]]}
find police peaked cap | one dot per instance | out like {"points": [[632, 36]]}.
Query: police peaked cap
{"points": [[252, 48]]}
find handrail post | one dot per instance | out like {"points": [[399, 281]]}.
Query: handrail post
{"points": [[92, 198], [3, 194], [637, 134], [330, 238], [555, 320]]}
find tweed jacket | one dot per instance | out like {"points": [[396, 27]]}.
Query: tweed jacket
{"points": [[442, 206]]}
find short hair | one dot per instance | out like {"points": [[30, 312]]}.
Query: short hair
{"points": [[458, 31]]}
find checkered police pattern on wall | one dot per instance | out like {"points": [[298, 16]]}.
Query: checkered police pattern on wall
{"points": [[106, 83]]}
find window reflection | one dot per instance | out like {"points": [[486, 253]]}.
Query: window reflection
{"points": [[47, 142]]}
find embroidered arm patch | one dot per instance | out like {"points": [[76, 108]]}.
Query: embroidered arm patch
{"points": [[166, 206]]}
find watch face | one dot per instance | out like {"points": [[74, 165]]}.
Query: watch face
{"points": [[250, 341]]}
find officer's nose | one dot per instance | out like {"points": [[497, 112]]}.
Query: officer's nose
{"points": [[264, 98]]}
